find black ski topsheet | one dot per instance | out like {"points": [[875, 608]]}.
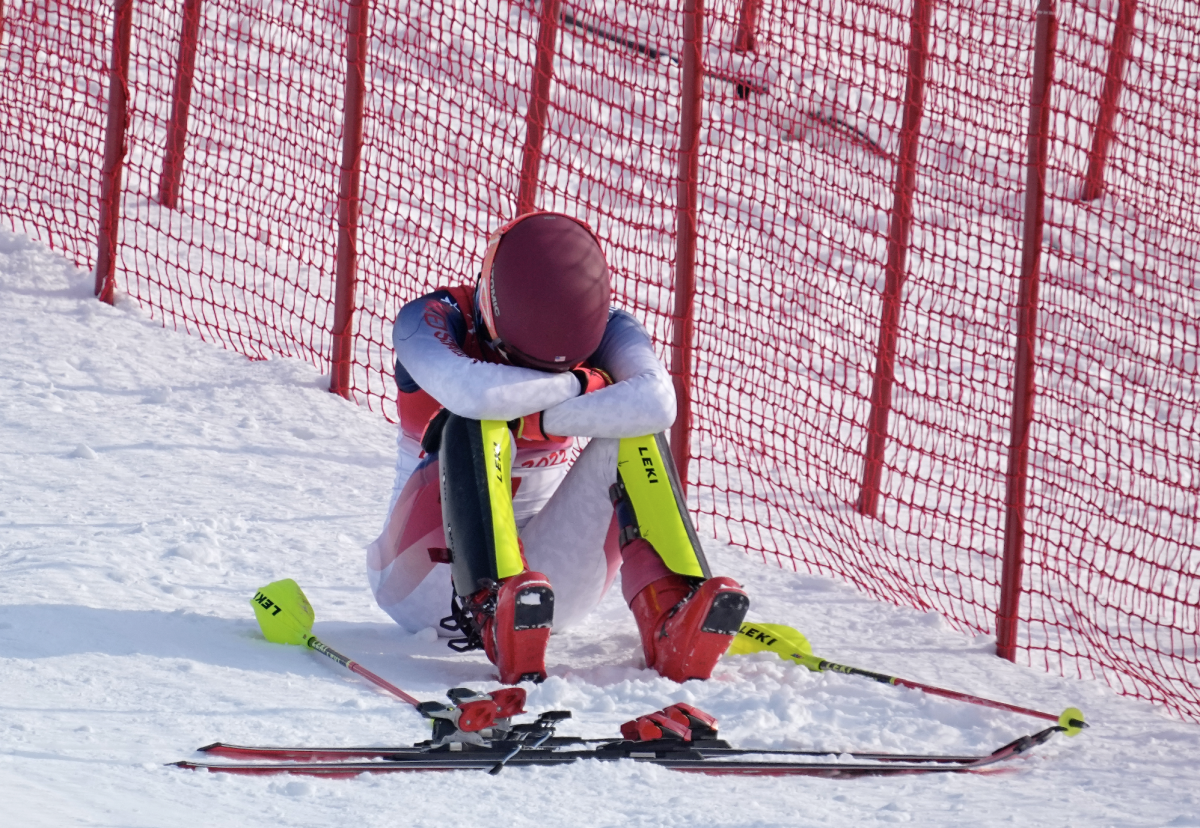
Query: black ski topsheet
{"points": [[707, 757]]}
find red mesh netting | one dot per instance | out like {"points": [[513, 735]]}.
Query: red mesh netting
{"points": [[801, 188], [247, 256], [801, 144], [1113, 580], [54, 58]]}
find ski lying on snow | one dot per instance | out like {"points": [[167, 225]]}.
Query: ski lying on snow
{"points": [[709, 749], [702, 756]]}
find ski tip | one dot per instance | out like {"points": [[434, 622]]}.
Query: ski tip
{"points": [[1072, 722], [207, 748]]}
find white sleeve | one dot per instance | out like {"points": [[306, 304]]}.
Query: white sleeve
{"points": [[641, 400], [426, 338]]}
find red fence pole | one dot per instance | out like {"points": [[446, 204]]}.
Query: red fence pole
{"points": [[1114, 79], [181, 96], [691, 110], [342, 356], [745, 40], [114, 151], [899, 231], [1027, 305], [539, 102]]}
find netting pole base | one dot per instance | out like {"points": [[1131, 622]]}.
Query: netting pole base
{"points": [[114, 152], [181, 96], [899, 232]]}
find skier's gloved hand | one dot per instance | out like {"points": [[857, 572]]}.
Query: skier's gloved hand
{"points": [[591, 379], [529, 427]]}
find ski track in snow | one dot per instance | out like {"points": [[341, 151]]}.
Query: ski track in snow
{"points": [[149, 482]]}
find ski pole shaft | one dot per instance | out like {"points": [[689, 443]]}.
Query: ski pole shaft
{"points": [[790, 645], [319, 646], [821, 665], [966, 697]]}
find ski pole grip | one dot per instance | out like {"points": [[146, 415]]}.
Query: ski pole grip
{"points": [[855, 671], [321, 647]]}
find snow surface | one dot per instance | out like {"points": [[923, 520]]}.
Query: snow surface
{"points": [[149, 482]]}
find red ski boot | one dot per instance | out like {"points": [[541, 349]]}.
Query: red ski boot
{"points": [[686, 626], [513, 622]]}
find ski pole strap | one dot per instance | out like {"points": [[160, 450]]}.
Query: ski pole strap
{"points": [[319, 646]]}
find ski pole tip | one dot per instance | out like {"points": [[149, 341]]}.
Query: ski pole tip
{"points": [[1072, 722]]}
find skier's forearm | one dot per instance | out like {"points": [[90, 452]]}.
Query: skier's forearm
{"points": [[641, 402], [481, 391], [425, 341], [644, 404]]}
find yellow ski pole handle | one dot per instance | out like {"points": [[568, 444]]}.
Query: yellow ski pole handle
{"points": [[790, 645], [784, 641], [286, 617], [283, 612]]}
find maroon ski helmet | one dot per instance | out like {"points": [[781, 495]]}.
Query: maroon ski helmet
{"points": [[544, 291]]}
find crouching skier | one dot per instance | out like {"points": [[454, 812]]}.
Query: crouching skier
{"points": [[496, 380]]}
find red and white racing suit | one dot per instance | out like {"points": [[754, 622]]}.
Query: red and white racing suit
{"points": [[560, 497]]}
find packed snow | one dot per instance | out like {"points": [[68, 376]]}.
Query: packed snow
{"points": [[150, 482]]}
